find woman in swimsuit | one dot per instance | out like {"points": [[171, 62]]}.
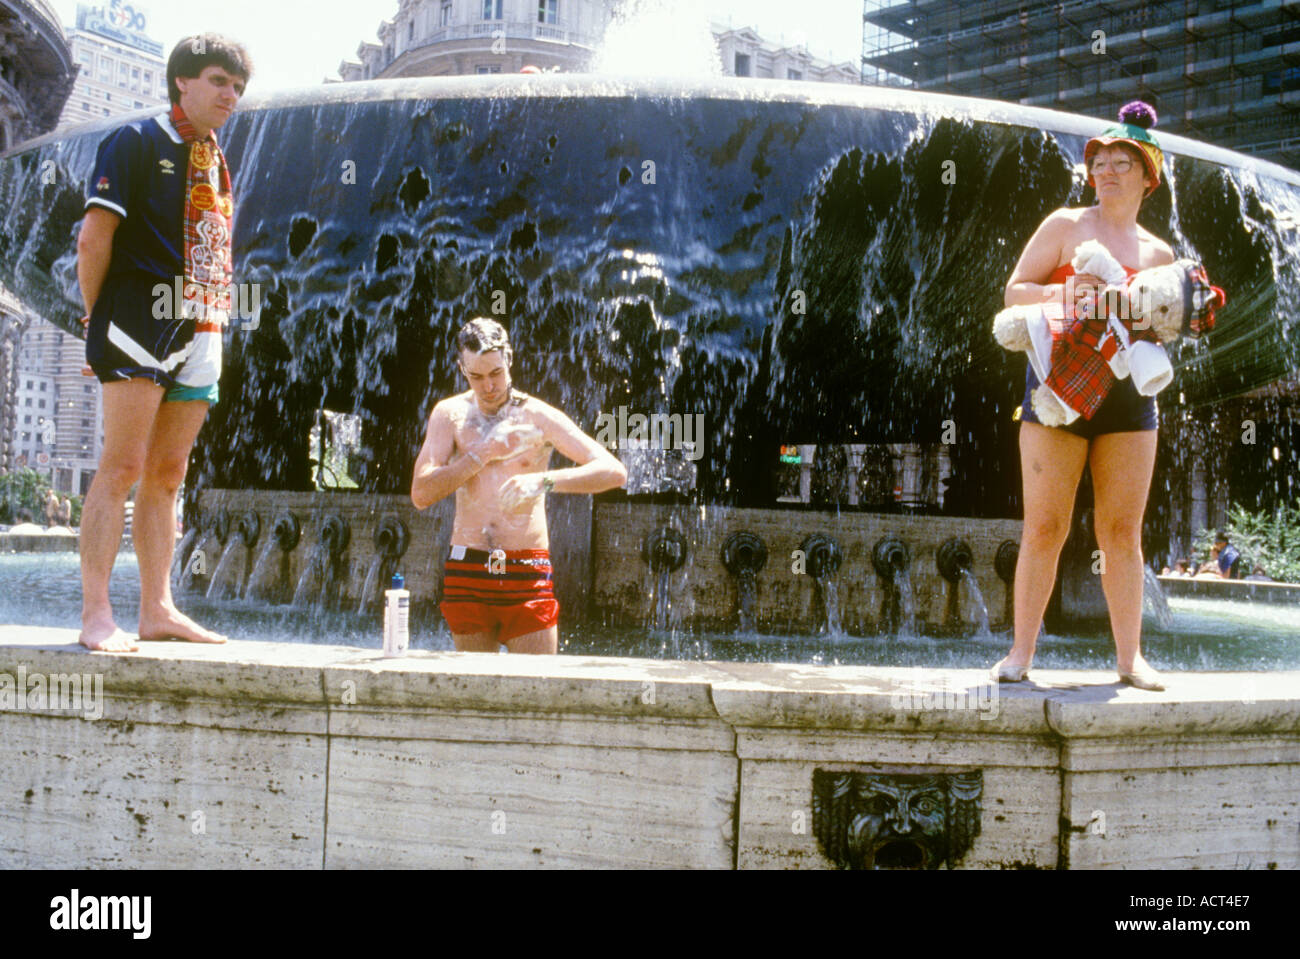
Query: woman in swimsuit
{"points": [[1119, 442]]}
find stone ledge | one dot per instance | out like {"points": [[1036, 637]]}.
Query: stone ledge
{"points": [[1059, 704]]}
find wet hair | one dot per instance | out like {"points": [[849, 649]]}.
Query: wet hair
{"points": [[481, 335], [193, 54]]}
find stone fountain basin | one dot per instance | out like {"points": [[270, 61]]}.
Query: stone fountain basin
{"points": [[331, 757]]}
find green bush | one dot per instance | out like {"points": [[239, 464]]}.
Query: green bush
{"points": [[1270, 540]]}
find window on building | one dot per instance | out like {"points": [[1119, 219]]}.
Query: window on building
{"points": [[27, 420], [108, 96], [85, 106], [85, 422], [42, 387], [548, 11], [148, 77], [87, 389], [135, 73], [794, 74], [444, 17], [488, 69], [492, 9], [105, 111], [742, 64], [410, 30]]}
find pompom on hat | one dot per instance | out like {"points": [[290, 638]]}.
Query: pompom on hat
{"points": [[1135, 119]]}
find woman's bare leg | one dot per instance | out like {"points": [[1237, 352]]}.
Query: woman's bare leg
{"points": [[1051, 462], [1121, 465]]}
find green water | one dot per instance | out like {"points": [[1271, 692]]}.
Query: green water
{"points": [[1210, 635]]}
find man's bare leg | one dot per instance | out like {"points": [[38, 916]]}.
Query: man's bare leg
{"points": [[477, 642], [541, 642], [129, 411], [154, 522]]}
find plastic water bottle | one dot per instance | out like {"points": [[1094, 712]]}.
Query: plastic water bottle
{"points": [[397, 608]]}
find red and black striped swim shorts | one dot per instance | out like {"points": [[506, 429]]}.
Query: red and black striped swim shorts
{"points": [[505, 590]]}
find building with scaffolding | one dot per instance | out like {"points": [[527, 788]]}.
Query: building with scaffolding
{"points": [[1225, 72]]}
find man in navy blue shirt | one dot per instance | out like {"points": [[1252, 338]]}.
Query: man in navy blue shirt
{"points": [[1229, 557], [158, 212]]}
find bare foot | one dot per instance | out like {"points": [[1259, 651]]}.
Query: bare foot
{"points": [[104, 636], [170, 623]]}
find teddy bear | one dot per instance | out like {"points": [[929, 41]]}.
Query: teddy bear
{"points": [[1160, 304]]}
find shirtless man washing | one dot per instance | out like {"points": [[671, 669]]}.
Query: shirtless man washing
{"points": [[492, 447]]}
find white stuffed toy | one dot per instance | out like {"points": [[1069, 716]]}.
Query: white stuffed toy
{"points": [[1167, 300]]}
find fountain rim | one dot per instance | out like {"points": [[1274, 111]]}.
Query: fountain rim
{"points": [[612, 86]]}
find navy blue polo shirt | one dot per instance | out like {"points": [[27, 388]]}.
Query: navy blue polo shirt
{"points": [[140, 174]]}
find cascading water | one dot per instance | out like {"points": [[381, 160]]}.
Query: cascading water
{"points": [[744, 555], [268, 582], [391, 540], [228, 578], [1154, 599], [315, 585], [786, 261], [823, 558]]}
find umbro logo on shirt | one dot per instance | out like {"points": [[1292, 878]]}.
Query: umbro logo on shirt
{"points": [[102, 185], [167, 166]]}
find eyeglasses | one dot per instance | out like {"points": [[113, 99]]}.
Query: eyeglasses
{"points": [[1120, 166]]}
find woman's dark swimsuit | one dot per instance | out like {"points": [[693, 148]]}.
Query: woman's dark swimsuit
{"points": [[1124, 410]]}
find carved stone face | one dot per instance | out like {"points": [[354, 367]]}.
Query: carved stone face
{"points": [[898, 823], [868, 820]]}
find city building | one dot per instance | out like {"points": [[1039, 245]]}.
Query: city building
{"points": [[120, 68], [58, 411], [745, 54], [450, 37], [443, 37], [1225, 72], [36, 70]]}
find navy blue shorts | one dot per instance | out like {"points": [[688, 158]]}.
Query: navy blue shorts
{"points": [[136, 334], [1124, 410]]}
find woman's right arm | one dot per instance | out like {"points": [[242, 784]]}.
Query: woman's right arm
{"points": [[1038, 261]]}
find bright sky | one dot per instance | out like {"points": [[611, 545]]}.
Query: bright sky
{"points": [[297, 42]]}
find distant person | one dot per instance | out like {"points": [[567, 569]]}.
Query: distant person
{"points": [[26, 526], [51, 508], [1211, 566], [159, 213], [491, 446], [65, 512], [1229, 558], [1257, 575]]}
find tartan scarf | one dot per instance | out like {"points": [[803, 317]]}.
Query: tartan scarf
{"points": [[209, 216]]}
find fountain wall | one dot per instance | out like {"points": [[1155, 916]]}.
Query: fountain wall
{"points": [[265, 755], [793, 263]]}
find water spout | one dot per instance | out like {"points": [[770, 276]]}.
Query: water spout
{"points": [[202, 561], [268, 582], [664, 552], [316, 584], [893, 563], [391, 540], [744, 555], [1153, 597], [954, 560], [823, 558], [1004, 564], [228, 578]]}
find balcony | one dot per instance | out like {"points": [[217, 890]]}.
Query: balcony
{"points": [[509, 29]]}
